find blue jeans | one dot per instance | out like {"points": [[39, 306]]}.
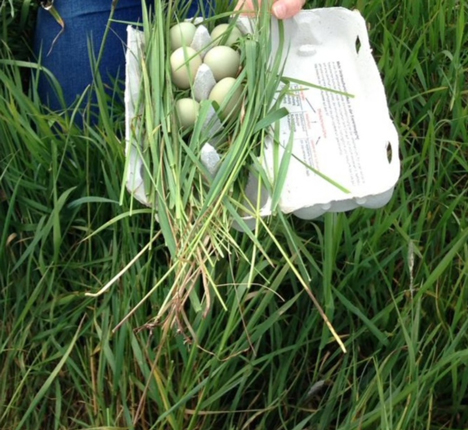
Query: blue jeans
{"points": [[69, 61]]}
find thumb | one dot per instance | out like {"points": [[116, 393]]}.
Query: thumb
{"points": [[284, 9]]}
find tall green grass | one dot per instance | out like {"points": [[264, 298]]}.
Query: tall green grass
{"points": [[392, 281]]}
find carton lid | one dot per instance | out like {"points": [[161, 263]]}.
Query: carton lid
{"points": [[345, 148]]}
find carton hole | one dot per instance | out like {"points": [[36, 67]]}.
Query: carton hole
{"points": [[389, 153], [357, 44]]}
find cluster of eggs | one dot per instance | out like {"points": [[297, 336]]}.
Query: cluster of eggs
{"points": [[222, 60]]}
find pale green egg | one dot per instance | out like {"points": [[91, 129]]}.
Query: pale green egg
{"points": [[223, 61], [219, 34], [182, 35], [187, 112], [184, 65], [220, 93]]}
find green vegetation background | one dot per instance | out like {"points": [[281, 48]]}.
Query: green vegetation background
{"points": [[393, 281]]}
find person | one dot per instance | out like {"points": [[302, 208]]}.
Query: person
{"points": [[67, 56]]}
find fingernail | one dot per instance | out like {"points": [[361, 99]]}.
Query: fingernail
{"points": [[279, 10]]}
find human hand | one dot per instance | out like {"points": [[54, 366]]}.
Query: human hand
{"points": [[281, 9]]}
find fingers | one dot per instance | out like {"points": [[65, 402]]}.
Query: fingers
{"points": [[281, 9], [245, 5], [284, 9]]}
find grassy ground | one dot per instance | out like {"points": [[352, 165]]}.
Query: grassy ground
{"points": [[393, 282]]}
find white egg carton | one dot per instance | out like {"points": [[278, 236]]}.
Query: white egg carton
{"points": [[345, 149]]}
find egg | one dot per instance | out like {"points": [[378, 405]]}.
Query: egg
{"points": [[181, 35], [220, 92], [184, 65], [223, 61], [187, 112], [219, 34]]}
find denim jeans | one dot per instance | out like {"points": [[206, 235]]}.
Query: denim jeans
{"points": [[69, 60]]}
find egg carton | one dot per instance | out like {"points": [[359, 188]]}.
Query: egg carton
{"points": [[344, 152]]}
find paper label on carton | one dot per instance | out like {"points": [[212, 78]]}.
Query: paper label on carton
{"points": [[317, 116]]}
